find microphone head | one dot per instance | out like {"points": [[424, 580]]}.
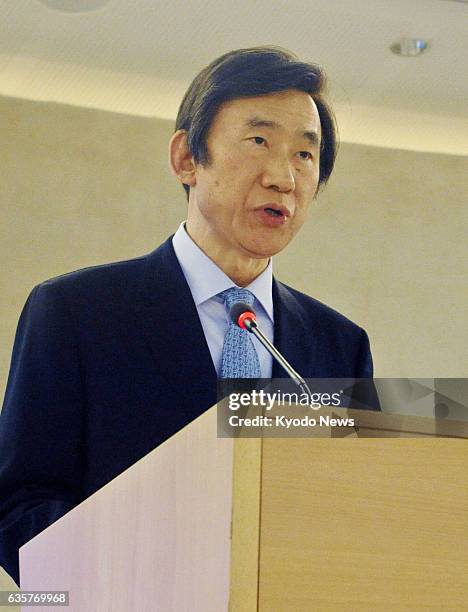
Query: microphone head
{"points": [[241, 308]]}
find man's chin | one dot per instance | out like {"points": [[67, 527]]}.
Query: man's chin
{"points": [[265, 250]]}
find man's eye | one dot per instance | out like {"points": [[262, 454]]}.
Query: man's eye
{"points": [[258, 140], [305, 155]]}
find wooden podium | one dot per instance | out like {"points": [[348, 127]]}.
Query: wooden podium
{"points": [[343, 522]]}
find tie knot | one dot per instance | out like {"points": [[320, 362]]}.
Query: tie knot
{"points": [[237, 294]]}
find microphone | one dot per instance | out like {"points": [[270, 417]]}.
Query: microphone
{"points": [[243, 315]]}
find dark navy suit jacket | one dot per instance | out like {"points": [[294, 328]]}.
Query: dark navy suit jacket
{"points": [[108, 363]]}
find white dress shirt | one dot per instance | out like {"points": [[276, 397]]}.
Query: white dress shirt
{"points": [[206, 281]]}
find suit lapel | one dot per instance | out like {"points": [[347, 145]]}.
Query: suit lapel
{"points": [[171, 328], [292, 337]]}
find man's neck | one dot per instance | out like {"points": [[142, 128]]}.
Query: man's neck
{"points": [[242, 270]]}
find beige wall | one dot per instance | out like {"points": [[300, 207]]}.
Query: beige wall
{"points": [[384, 243]]}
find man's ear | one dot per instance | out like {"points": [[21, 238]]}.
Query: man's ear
{"points": [[181, 159]]}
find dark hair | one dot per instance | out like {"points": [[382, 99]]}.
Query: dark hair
{"points": [[253, 72]]}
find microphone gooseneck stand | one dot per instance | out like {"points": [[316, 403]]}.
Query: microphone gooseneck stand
{"points": [[243, 315]]}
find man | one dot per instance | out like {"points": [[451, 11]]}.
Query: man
{"points": [[110, 361]]}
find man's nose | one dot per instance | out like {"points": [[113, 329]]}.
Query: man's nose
{"points": [[278, 174]]}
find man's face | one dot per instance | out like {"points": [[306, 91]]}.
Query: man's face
{"points": [[253, 196]]}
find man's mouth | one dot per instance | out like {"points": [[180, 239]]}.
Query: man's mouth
{"points": [[277, 211], [273, 212]]}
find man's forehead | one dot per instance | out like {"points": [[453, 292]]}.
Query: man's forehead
{"points": [[291, 110]]}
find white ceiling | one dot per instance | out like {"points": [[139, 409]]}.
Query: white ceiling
{"points": [[138, 58]]}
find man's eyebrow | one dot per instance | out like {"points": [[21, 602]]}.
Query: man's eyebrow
{"points": [[258, 122], [254, 122], [313, 138]]}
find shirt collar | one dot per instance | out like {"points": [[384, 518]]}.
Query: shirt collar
{"points": [[206, 280]]}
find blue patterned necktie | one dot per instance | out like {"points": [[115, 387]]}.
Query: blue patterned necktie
{"points": [[239, 359]]}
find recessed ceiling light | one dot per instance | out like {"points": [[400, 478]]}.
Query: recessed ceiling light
{"points": [[74, 6], [408, 47]]}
